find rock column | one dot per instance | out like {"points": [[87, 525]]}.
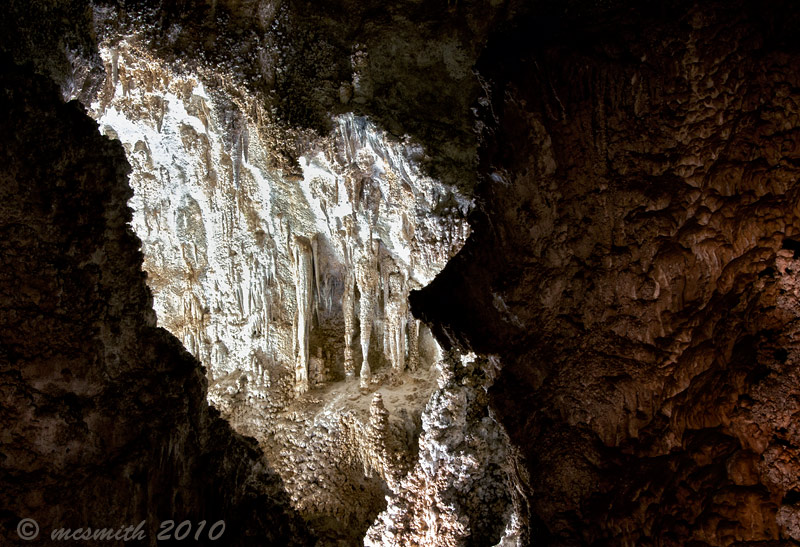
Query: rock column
{"points": [[304, 285], [367, 278], [378, 436], [349, 312], [413, 342], [396, 313]]}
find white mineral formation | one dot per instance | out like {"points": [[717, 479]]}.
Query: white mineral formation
{"points": [[367, 280], [395, 326], [462, 489], [304, 291], [413, 341], [285, 288], [349, 316]]}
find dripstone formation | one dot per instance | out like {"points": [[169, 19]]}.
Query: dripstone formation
{"points": [[252, 268]]}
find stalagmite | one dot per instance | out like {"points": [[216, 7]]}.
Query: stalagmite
{"points": [[413, 342], [303, 280], [379, 420], [259, 369], [219, 356], [317, 368], [378, 435], [367, 278]]}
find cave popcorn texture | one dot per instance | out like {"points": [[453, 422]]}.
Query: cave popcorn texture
{"points": [[462, 489]]}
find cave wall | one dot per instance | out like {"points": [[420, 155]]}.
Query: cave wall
{"points": [[105, 419], [223, 228], [632, 265]]}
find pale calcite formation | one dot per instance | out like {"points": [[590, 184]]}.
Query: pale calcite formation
{"points": [[219, 226], [303, 280], [286, 288], [367, 281], [318, 369], [463, 487], [349, 316], [413, 341], [395, 328]]}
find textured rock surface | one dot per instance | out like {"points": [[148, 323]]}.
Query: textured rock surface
{"points": [[105, 419], [633, 266], [406, 64], [222, 230], [464, 487]]}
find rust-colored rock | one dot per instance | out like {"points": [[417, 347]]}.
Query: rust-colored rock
{"points": [[634, 268]]}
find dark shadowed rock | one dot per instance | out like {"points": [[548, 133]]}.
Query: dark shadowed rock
{"points": [[104, 416]]}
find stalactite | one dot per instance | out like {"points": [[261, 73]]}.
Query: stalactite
{"points": [[265, 297], [304, 289], [396, 313], [367, 279], [318, 296], [395, 299], [256, 335], [193, 321], [388, 267]]}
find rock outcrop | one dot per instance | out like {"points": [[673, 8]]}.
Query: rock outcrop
{"points": [[632, 268], [104, 415], [465, 487]]}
